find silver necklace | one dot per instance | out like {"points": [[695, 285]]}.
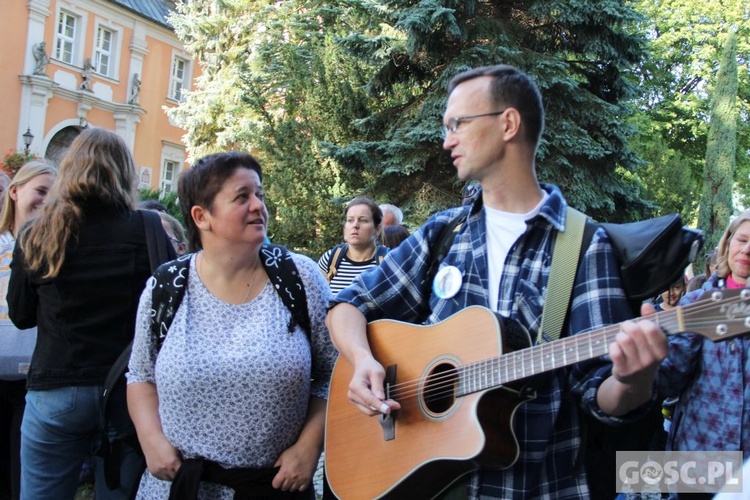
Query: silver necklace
{"points": [[249, 285]]}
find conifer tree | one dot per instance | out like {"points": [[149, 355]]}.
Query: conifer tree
{"points": [[676, 83], [716, 202], [345, 97], [578, 51]]}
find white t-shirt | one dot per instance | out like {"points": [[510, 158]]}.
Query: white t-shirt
{"points": [[503, 230]]}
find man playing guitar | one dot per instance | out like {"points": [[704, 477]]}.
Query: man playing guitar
{"points": [[500, 259]]}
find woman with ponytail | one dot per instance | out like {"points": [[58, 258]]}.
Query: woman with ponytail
{"points": [[77, 273]]}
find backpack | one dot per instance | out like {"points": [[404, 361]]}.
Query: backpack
{"points": [[166, 296], [160, 250], [339, 251], [171, 277]]}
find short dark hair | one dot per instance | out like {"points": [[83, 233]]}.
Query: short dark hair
{"points": [[393, 236], [377, 214], [513, 88], [199, 185]]}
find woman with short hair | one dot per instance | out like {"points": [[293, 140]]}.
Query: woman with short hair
{"points": [[235, 390]]}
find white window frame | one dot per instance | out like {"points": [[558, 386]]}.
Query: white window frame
{"points": [[62, 38], [78, 39], [178, 85], [168, 185], [171, 153], [101, 52]]}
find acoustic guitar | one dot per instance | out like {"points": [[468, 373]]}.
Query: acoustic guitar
{"points": [[458, 383]]}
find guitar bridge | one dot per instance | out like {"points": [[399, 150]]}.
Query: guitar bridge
{"points": [[387, 422]]}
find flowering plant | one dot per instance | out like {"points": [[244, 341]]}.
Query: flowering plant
{"points": [[13, 160]]}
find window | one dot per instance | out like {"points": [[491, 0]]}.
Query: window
{"points": [[103, 57], [179, 79], [65, 38], [168, 173], [172, 162]]}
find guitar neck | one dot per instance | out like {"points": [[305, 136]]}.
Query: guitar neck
{"points": [[517, 365]]}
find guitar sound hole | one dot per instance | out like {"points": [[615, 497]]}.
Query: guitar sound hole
{"points": [[440, 389]]}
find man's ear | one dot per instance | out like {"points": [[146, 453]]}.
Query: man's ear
{"points": [[512, 126], [199, 215]]}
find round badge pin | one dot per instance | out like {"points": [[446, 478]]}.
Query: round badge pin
{"points": [[447, 282]]}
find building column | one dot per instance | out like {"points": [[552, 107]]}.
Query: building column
{"points": [[38, 13], [126, 121], [35, 95], [125, 124]]}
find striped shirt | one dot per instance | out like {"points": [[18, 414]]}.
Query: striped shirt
{"points": [[347, 270], [548, 427]]}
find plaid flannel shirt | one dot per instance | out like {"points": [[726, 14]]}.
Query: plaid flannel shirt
{"points": [[547, 427]]}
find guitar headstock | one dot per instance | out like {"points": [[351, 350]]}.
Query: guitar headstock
{"points": [[719, 314]]}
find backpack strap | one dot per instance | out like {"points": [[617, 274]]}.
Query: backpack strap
{"points": [[170, 283], [171, 280], [336, 257], [160, 250], [566, 255], [380, 252], [285, 278], [439, 248], [158, 253], [114, 376]]}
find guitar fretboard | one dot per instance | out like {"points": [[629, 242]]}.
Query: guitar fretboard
{"points": [[517, 365]]}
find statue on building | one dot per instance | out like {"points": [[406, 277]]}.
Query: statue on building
{"points": [[135, 89], [40, 58], [86, 72]]}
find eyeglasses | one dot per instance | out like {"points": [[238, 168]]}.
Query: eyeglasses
{"points": [[456, 121], [175, 241]]}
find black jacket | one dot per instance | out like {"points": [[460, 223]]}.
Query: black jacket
{"points": [[86, 315]]}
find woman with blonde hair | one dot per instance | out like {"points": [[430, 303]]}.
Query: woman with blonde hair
{"points": [[77, 273], [710, 379], [5, 181], [25, 195]]}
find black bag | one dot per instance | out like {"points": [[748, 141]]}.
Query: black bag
{"points": [[653, 253], [113, 406]]}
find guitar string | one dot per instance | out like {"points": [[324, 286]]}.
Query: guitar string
{"points": [[480, 368], [485, 369], [444, 384], [487, 374]]}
